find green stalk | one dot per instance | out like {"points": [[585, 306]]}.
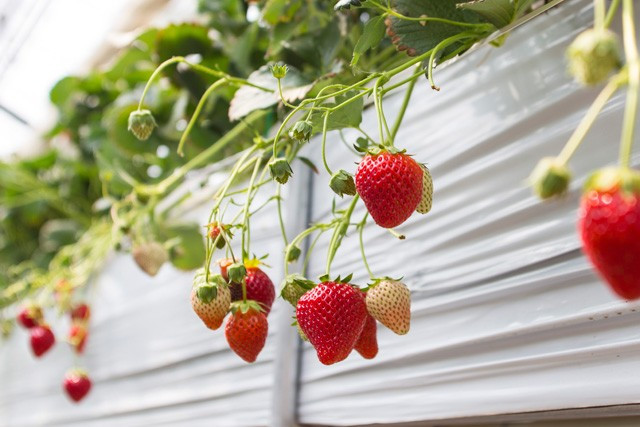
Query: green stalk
{"points": [[361, 232], [405, 104], [631, 109], [324, 143], [341, 229], [246, 229], [587, 121], [611, 13], [197, 112]]}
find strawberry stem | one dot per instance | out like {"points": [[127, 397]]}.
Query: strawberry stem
{"points": [[196, 113], [599, 11], [633, 64], [405, 102], [360, 233], [246, 231], [611, 13], [592, 114], [340, 231], [325, 124]]}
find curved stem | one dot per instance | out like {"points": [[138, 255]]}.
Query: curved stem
{"points": [[377, 103], [324, 143], [611, 13], [283, 231], [361, 232], [341, 229], [633, 61], [284, 101], [197, 112], [440, 46], [155, 74], [599, 12], [587, 121], [246, 233], [405, 104]]}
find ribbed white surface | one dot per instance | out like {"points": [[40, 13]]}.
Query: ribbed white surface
{"points": [[507, 314]]}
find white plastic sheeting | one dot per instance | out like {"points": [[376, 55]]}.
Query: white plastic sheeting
{"points": [[507, 314]]}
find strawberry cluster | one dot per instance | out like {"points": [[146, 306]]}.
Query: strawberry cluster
{"points": [[76, 382], [337, 317], [245, 293]]}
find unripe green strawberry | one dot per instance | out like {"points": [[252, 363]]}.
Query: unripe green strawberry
{"points": [[550, 178], [150, 257], [301, 131], [593, 55], [427, 192], [210, 299], [141, 124], [342, 183], [280, 170], [389, 302], [293, 287], [279, 70]]}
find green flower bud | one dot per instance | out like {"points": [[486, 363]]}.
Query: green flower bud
{"points": [[236, 272], [293, 253], [550, 178], [141, 124], [279, 71], [342, 183], [302, 131], [593, 55], [280, 170]]}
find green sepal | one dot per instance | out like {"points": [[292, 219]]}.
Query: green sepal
{"points": [[245, 306], [280, 170], [293, 253], [614, 178], [342, 183], [294, 286], [236, 272]]}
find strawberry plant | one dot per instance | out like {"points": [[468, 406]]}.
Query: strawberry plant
{"points": [[246, 94]]}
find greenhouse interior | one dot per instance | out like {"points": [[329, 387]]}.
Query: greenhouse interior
{"points": [[290, 213]]}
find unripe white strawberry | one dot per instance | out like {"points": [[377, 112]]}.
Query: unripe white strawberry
{"points": [[210, 299], [150, 257], [389, 302], [427, 192], [141, 124]]}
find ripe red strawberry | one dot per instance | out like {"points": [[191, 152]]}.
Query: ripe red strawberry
{"points": [[78, 337], [246, 330], [332, 315], [390, 185], [42, 339], [609, 225], [367, 344], [259, 287], [76, 384], [389, 302], [30, 316], [210, 300], [81, 313], [214, 232]]}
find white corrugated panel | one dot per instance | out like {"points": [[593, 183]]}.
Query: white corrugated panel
{"points": [[507, 315]]}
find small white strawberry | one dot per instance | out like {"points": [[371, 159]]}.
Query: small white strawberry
{"points": [[150, 257], [389, 302], [210, 299], [427, 192]]}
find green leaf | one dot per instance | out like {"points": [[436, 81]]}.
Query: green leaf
{"points": [[415, 38], [499, 12], [190, 252], [371, 37], [346, 117], [248, 98]]}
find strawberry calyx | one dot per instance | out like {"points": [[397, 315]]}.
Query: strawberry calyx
{"points": [[377, 149], [377, 280], [612, 179], [245, 306], [207, 288], [325, 278], [77, 373]]}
